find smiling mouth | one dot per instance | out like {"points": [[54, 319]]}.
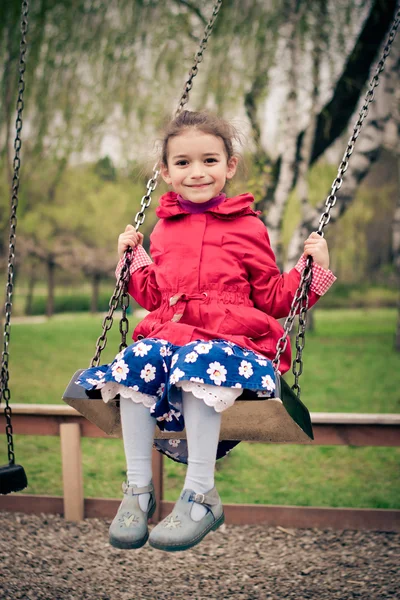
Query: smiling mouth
{"points": [[200, 185]]}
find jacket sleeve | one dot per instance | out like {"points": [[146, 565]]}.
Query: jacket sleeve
{"points": [[143, 283], [273, 291]]}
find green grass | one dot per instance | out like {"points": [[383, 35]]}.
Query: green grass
{"points": [[350, 366]]}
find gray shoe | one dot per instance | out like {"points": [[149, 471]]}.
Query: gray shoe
{"points": [[178, 531], [129, 528]]}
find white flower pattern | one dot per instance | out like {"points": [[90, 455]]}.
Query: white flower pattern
{"points": [[161, 389], [93, 381], [172, 414], [217, 373], [174, 443], [262, 362], [148, 373], [165, 351], [120, 370], [191, 357], [141, 349], [268, 382], [203, 348], [228, 350], [176, 376], [245, 369]]}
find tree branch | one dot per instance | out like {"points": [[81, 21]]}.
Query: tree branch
{"points": [[335, 115], [193, 8]]}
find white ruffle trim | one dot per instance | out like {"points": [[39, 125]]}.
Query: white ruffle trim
{"points": [[220, 398], [111, 389]]}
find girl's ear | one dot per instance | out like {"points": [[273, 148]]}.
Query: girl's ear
{"points": [[232, 166], [165, 174]]}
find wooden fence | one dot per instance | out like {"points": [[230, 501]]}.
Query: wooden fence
{"points": [[329, 429]]}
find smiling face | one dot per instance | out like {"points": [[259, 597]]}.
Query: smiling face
{"points": [[198, 166]]}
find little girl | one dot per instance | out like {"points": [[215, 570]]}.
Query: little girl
{"points": [[213, 292]]}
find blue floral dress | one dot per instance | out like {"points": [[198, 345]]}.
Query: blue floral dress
{"points": [[154, 372]]}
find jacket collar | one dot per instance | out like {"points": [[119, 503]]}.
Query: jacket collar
{"points": [[230, 208]]}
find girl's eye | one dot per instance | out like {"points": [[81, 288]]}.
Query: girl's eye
{"points": [[211, 160], [182, 163]]}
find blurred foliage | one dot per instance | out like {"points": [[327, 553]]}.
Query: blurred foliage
{"points": [[127, 59], [123, 62], [105, 169], [360, 242]]}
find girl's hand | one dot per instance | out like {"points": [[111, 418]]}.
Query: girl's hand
{"points": [[130, 237], [316, 246]]}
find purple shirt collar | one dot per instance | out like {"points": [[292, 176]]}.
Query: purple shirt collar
{"points": [[194, 208]]}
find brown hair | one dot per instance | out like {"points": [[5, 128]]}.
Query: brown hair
{"points": [[203, 121]]}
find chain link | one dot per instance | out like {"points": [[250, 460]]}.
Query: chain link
{"points": [[5, 393], [300, 300], [120, 293], [198, 58]]}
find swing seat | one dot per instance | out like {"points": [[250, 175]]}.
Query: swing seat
{"points": [[12, 478], [279, 420]]}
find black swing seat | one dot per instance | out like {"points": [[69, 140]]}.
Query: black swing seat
{"points": [[280, 420], [12, 478]]}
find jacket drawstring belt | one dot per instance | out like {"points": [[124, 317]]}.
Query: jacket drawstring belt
{"points": [[181, 300]]}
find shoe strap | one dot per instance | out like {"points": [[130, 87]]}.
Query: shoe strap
{"points": [[210, 499], [134, 490]]}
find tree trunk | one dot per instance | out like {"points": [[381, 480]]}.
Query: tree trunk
{"points": [[94, 303], [50, 287], [396, 243], [8, 93], [333, 118], [31, 286], [287, 169], [366, 152]]}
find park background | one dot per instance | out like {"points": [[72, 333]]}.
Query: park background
{"points": [[101, 80]]}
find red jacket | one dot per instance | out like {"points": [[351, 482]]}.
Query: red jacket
{"points": [[214, 276]]}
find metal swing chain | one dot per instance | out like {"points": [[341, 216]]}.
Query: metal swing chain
{"points": [[300, 300], [5, 390], [120, 294], [198, 58]]}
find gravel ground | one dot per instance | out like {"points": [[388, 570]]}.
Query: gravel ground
{"points": [[47, 557]]}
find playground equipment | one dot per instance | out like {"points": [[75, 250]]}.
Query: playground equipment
{"points": [[281, 419]]}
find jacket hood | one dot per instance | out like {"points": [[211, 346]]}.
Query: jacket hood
{"points": [[230, 208]]}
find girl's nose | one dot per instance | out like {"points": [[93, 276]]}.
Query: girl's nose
{"points": [[197, 171]]}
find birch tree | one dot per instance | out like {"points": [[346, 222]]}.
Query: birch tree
{"points": [[365, 153]]}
